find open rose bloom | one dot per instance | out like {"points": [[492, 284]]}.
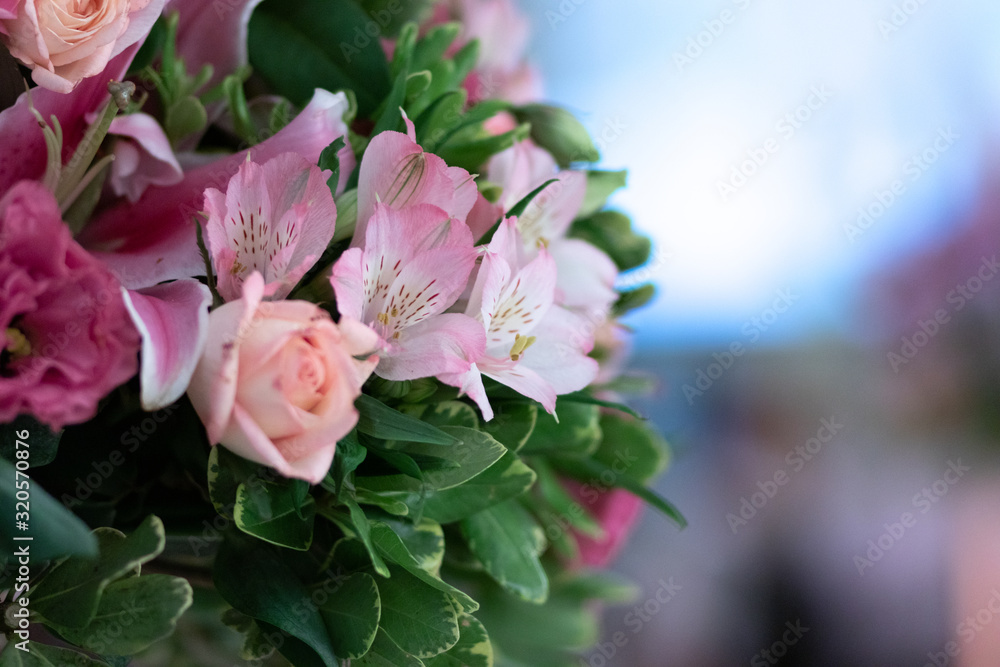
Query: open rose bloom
{"points": [[65, 41], [277, 381]]}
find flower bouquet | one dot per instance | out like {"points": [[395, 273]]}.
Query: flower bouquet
{"points": [[310, 340]]}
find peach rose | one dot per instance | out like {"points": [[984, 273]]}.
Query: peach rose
{"points": [[277, 380], [65, 41]]}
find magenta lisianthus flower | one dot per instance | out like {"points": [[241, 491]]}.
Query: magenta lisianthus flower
{"points": [[616, 512], [276, 218], [66, 334]]}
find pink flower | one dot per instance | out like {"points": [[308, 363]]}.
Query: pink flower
{"points": [[275, 218], [586, 274], [398, 173], [277, 380], [616, 512], [164, 247], [415, 264], [67, 337], [66, 41], [533, 345], [143, 156]]}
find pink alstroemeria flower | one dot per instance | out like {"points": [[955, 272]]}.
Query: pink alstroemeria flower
{"points": [[164, 247], [586, 274], [533, 346], [213, 33], [275, 218], [398, 173], [414, 265]]}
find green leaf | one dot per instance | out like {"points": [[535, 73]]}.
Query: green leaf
{"points": [[584, 469], [507, 478], [55, 531], [612, 232], [351, 614], [474, 450], [512, 424], [600, 186], [559, 132], [440, 118], [389, 116], [422, 542], [385, 653], [633, 299], [632, 445], [566, 509], [402, 552], [133, 613], [471, 153], [348, 456], [328, 159], [431, 48], [577, 433], [257, 580], [609, 587], [362, 528], [418, 618], [507, 541], [226, 472], [298, 47], [451, 413], [380, 421], [391, 15], [43, 655], [256, 645], [41, 443], [276, 512], [68, 595], [472, 650]]}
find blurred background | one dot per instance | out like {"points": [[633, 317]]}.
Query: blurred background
{"points": [[822, 181]]}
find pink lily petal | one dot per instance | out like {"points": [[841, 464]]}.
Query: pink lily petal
{"points": [[8, 8], [163, 247], [398, 173], [348, 281], [275, 218], [521, 379], [559, 354], [149, 160], [550, 214], [483, 216], [213, 33], [173, 321], [22, 145]]}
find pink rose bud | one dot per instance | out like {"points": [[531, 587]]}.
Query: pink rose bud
{"points": [[277, 381]]}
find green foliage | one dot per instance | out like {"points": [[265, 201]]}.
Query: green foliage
{"points": [[298, 47], [508, 541], [612, 232], [559, 132]]}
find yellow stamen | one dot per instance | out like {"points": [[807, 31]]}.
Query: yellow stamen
{"points": [[383, 318], [521, 343], [17, 343]]}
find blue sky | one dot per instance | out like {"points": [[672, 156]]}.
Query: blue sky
{"points": [[756, 131]]}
